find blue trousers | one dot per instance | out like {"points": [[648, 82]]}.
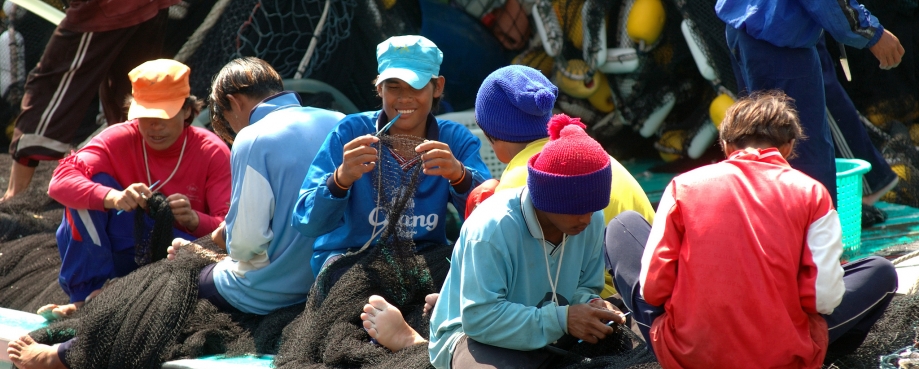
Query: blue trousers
{"points": [[760, 65], [870, 285], [857, 143], [96, 246]]}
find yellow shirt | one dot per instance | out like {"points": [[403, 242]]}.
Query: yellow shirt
{"points": [[625, 192]]}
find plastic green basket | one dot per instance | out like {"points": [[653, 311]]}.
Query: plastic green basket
{"points": [[849, 199]]}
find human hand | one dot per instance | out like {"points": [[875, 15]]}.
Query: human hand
{"points": [[358, 158], [588, 323], [438, 160], [130, 198], [430, 301], [888, 50], [603, 304], [182, 211]]}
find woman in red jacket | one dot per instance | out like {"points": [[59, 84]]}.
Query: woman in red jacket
{"points": [[102, 184], [741, 267]]}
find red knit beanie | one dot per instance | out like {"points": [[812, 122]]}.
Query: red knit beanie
{"points": [[572, 174]]}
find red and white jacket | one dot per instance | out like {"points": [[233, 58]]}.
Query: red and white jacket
{"points": [[743, 255]]}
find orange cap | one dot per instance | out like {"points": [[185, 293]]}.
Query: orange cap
{"points": [[160, 88]]}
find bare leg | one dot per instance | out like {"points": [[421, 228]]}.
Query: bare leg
{"points": [[870, 199], [384, 322], [20, 177], [25, 353]]}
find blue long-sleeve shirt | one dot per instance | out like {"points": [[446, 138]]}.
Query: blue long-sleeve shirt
{"points": [[342, 223], [498, 290], [269, 159], [798, 23]]}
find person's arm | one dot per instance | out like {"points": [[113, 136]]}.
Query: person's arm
{"points": [[248, 224], [846, 20], [218, 192], [486, 314], [71, 184], [321, 203], [591, 280], [820, 281], [466, 150], [662, 252]]}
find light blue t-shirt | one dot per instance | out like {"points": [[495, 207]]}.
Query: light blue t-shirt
{"points": [[498, 289], [269, 265]]}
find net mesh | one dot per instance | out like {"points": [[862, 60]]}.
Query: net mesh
{"points": [[330, 332], [280, 31]]}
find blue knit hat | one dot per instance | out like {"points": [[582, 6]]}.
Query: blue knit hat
{"points": [[572, 173], [514, 104]]}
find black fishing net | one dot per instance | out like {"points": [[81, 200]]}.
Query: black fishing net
{"points": [[886, 95], [280, 32], [150, 245], [330, 333], [624, 349], [29, 268], [894, 331]]}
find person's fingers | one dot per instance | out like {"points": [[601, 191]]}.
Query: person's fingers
{"points": [[431, 145], [364, 140]]}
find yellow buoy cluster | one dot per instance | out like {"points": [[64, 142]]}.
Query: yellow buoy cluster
{"points": [[718, 108]]}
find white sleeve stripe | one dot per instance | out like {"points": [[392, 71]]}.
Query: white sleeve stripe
{"points": [[256, 203], [657, 232], [824, 239]]}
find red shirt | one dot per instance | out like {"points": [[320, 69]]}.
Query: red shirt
{"points": [[203, 175], [107, 15], [743, 255]]}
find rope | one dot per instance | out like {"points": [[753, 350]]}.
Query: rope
{"points": [[309, 50], [905, 257], [197, 38]]}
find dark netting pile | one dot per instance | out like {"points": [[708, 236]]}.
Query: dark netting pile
{"points": [[330, 333]]}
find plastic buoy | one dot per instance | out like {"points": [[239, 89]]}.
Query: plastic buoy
{"points": [[671, 141], [13, 63], [537, 59], [572, 79], [656, 118], [602, 100], [718, 108], [702, 63], [620, 61], [702, 140], [646, 21]]}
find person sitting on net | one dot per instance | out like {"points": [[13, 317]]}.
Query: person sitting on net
{"points": [[754, 243], [116, 173], [341, 201], [496, 306], [264, 270]]}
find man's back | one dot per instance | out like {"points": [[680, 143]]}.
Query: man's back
{"points": [[752, 241], [272, 157]]}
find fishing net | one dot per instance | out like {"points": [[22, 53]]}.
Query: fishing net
{"points": [[150, 245], [330, 333], [894, 331], [886, 95], [281, 31], [624, 349], [29, 268]]}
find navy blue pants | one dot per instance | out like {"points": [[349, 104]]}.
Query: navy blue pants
{"points": [[96, 246], [760, 65], [857, 143], [206, 290], [870, 285]]}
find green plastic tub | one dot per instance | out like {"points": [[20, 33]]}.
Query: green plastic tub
{"points": [[849, 199]]}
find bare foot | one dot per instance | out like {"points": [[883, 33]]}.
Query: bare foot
{"points": [[25, 353], [384, 322], [20, 177], [430, 301], [178, 244], [55, 312]]}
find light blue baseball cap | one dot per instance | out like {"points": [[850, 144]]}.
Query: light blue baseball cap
{"points": [[413, 59]]}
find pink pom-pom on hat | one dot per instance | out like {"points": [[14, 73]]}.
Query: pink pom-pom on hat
{"points": [[572, 173]]}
